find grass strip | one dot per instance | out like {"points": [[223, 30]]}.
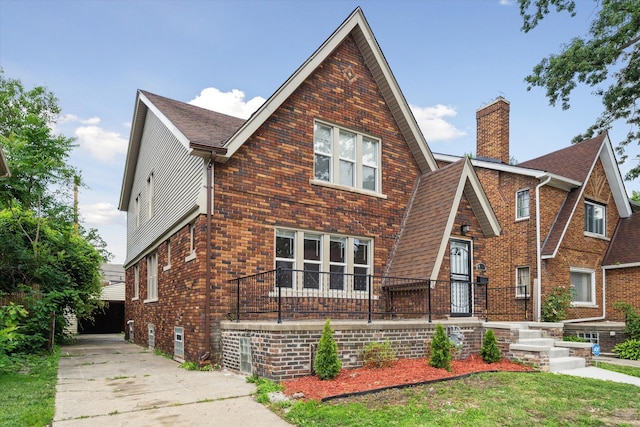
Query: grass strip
{"points": [[28, 391]]}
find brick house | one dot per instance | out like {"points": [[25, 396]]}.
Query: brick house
{"points": [[566, 221], [330, 180]]}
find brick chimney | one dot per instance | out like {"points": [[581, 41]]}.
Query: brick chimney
{"points": [[493, 131]]}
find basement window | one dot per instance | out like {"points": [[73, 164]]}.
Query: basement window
{"points": [[178, 343], [589, 336], [152, 337], [245, 355]]}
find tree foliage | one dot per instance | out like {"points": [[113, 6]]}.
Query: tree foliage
{"points": [[490, 351], [40, 251], [610, 54], [441, 348]]}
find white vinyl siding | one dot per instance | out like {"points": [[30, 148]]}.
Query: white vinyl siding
{"points": [[178, 179]]}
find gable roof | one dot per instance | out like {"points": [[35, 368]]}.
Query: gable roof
{"points": [[196, 128], [577, 162], [4, 168], [623, 249], [355, 25], [431, 214]]}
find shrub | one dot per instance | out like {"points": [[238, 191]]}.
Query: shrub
{"points": [[573, 338], [440, 350], [631, 319], [556, 305], [327, 363], [11, 316], [378, 355], [629, 349], [490, 351]]}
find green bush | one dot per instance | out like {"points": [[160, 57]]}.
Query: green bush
{"points": [[631, 319], [573, 338], [629, 349], [11, 316], [378, 355], [327, 363], [441, 350], [490, 351], [556, 305]]}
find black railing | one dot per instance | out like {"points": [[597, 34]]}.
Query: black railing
{"points": [[307, 294]]}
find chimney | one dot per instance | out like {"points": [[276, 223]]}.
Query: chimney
{"points": [[493, 131]]}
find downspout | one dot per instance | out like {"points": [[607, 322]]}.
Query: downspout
{"points": [[538, 251], [207, 263]]}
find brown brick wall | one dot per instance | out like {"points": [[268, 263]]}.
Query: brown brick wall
{"points": [[622, 285], [180, 296], [493, 131]]}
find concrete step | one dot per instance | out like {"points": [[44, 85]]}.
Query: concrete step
{"points": [[529, 334], [565, 363], [548, 342], [558, 352]]}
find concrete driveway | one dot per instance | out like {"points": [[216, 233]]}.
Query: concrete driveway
{"points": [[105, 381]]}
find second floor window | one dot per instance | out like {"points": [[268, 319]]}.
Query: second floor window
{"points": [[150, 195], [346, 158], [594, 218], [522, 204]]}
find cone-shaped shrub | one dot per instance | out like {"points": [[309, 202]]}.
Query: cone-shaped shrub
{"points": [[327, 364], [490, 351], [440, 350]]}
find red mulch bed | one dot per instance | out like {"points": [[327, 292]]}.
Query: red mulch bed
{"points": [[403, 372]]}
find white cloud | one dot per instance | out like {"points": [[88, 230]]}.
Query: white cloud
{"points": [[506, 2], [102, 144], [231, 103], [70, 118], [101, 213], [433, 124]]}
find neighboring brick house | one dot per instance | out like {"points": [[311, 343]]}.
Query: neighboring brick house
{"points": [[566, 221], [324, 177]]}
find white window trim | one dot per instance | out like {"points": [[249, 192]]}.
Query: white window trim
{"points": [[152, 277], [521, 218], [136, 283], [168, 266], [298, 264], [593, 287], [518, 294], [604, 221], [136, 211], [151, 196], [192, 243], [151, 334], [334, 175]]}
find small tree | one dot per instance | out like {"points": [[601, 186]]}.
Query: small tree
{"points": [[440, 350], [378, 355], [490, 351], [631, 319], [327, 363]]}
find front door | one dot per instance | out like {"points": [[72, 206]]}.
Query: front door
{"points": [[461, 289]]}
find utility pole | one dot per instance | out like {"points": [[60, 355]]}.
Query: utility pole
{"points": [[76, 184]]}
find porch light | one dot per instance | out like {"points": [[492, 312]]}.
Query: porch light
{"points": [[464, 229]]}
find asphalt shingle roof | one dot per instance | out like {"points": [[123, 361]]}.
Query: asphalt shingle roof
{"points": [[625, 244]]}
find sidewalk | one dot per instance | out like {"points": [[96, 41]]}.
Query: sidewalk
{"points": [[604, 374], [105, 381]]}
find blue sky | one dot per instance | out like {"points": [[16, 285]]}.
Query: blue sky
{"points": [[449, 57]]}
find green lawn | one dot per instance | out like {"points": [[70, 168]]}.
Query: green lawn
{"points": [[489, 399], [28, 392]]}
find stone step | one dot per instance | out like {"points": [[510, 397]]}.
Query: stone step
{"points": [[548, 342], [558, 352], [566, 363], [529, 334]]}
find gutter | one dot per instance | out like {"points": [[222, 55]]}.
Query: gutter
{"points": [[538, 251], [207, 263]]}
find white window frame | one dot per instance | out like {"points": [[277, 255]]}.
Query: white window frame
{"points": [[151, 335], [192, 243], [152, 277], [178, 343], [519, 293], [359, 163], [168, 266], [592, 278], [136, 282], [297, 283], [519, 209], [136, 211], [151, 196], [588, 225]]}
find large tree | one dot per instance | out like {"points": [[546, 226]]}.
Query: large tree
{"points": [[609, 55], [41, 252]]}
